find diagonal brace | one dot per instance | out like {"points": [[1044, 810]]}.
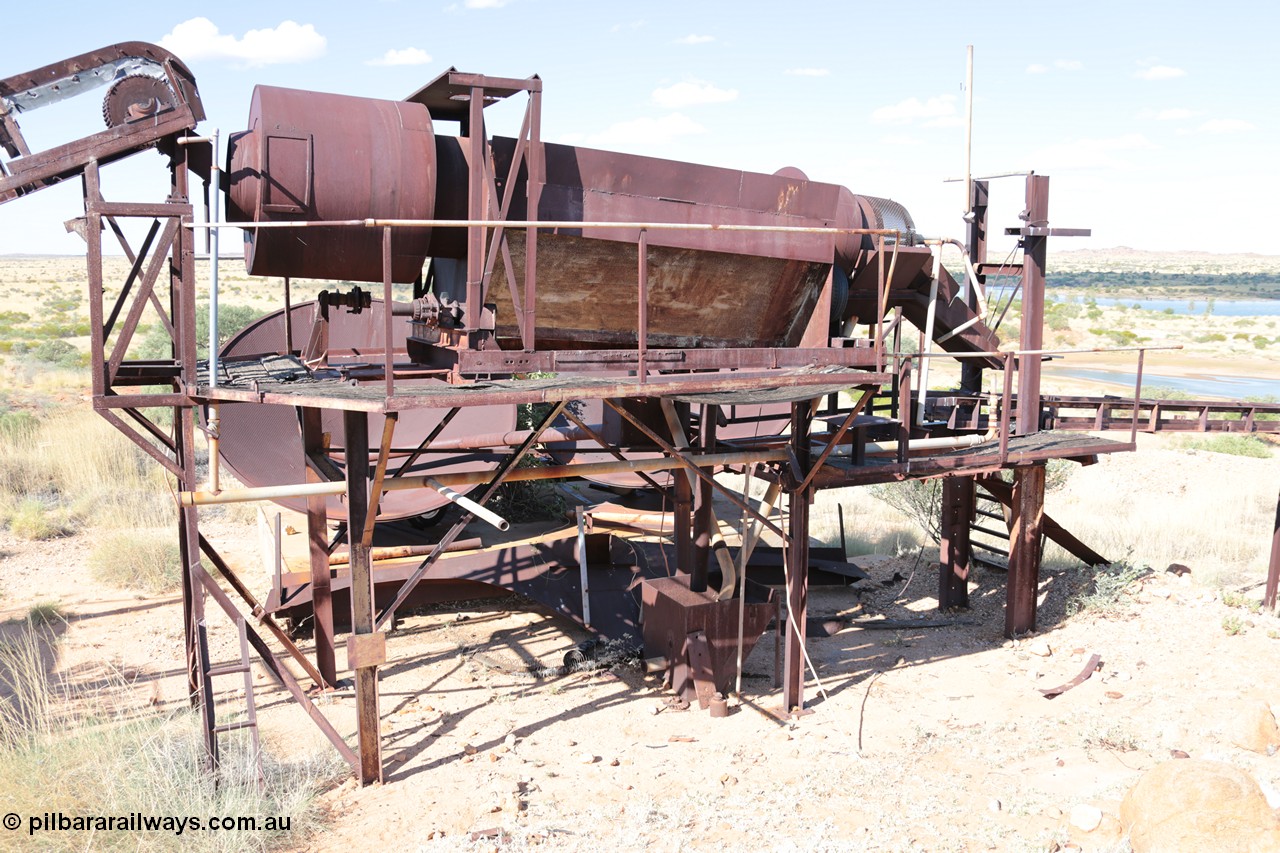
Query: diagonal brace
{"points": [[693, 468], [508, 465]]}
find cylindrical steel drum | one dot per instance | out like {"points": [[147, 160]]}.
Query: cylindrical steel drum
{"points": [[310, 156]]}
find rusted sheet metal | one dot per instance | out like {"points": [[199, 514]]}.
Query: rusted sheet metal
{"points": [[587, 295], [321, 157], [606, 186], [909, 290], [262, 445], [672, 613], [706, 288]]}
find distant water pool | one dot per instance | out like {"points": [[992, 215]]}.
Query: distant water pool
{"points": [[1194, 307], [1216, 387]]}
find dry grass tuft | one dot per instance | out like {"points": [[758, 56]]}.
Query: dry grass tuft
{"points": [[82, 472], [58, 747], [148, 560]]}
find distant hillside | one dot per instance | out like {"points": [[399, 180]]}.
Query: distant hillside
{"points": [[1124, 259]]}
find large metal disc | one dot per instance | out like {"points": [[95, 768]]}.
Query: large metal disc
{"points": [[262, 444]]}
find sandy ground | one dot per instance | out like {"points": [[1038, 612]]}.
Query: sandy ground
{"points": [[920, 739]]}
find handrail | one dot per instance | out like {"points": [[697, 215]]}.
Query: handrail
{"points": [[542, 224]]}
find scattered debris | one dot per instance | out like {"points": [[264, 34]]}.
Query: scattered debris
{"points": [[1090, 667], [906, 624]]}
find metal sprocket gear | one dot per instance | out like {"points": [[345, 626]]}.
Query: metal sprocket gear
{"points": [[135, 97]]}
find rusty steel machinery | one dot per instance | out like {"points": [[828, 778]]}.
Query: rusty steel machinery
{"points": [[317, 157], [649, 323], [311, 157]]}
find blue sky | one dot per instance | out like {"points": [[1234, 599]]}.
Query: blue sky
{"points": [[1154, 120]]}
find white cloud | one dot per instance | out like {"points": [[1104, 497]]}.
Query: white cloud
{"points": [[913, 109], [1225, 125], [1060, 64], [199, 38], [1175, 114], [634, 25], [692, 93], [1159, 72], [408, 56], [807, 72], [1080, 154], [485, 4], [639, 133], [694, 39]]}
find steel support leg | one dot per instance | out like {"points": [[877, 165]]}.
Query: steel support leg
{"points": [[1033, 280], [797, 567], [318, 549], [1273, 573], [193, 594], [356, 442], [954, 551], [703, 519], [682, 488], [1024, 550]]}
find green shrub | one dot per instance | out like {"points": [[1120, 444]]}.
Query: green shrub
{"points": [[918, 500], [46, 613], [145, 560], [18, 426], [155, 342], [57, 353], [1109, 586], [33, 521], [1235, 445]]}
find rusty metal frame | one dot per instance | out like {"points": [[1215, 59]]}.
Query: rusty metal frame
{"points": [[171, 238], [490, 490], [691, 466]]}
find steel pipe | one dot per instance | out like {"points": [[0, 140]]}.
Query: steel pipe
{"points": [[466, 503], [471, 478], [547, 224]]}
